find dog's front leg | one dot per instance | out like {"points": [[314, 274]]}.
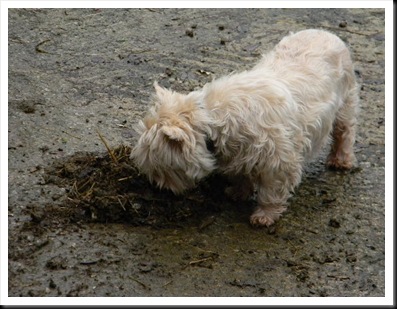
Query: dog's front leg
{"points": [[266, 213], [274, 189]]}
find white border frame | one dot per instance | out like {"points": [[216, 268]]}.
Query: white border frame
{"points": [[334, 301]]}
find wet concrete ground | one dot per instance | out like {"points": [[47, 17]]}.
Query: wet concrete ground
{"points": [[74, 72]]}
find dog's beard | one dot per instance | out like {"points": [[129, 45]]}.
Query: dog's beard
{"points": [[174, 180], [179, 176]]}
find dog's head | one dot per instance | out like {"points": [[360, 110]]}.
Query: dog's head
{"points": [[171, 149]]}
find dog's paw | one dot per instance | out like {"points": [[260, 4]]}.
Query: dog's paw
{"points": [[340, 163], [266, 216], [333, 164]]}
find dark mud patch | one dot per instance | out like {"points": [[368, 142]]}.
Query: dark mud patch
{"points": [[108, 188]]}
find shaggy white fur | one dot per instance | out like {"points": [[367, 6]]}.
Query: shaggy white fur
{"points": [[265, 123]]}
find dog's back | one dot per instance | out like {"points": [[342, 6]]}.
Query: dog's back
{"points": [[317, 69]]}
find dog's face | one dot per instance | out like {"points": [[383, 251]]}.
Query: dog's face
{"points": [[171, 150]]}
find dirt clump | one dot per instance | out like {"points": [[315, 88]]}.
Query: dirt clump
{"points": [[108, 188]]}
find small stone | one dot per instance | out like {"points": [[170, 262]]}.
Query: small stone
{"points": [[52, 284], [146, 266], [44, 148], [343, 24], [168, 72], [351, 259], [189, 32], [334, 223]]}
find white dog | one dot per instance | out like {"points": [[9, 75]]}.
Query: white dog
{"points": [[264, 124]]}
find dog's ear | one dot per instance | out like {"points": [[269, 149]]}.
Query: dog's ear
{"points": [[160, 91], [174, 133]]}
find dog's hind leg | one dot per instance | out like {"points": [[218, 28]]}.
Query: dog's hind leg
{"points": [[344, 130]]}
